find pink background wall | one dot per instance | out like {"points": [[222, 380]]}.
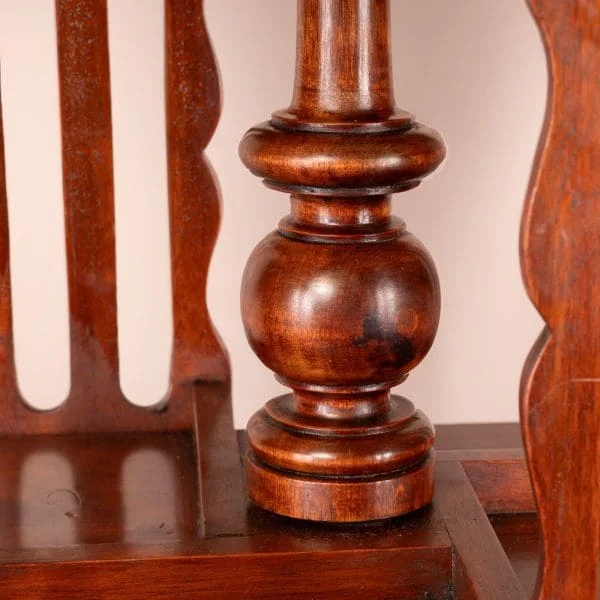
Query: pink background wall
{"points": [[473, 69]]}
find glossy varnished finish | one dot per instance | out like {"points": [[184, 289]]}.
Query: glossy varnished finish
{"points": [[501, 483], [341, 302], [89, 202], [384, 163], [493, 459], [95, 489], [81, 526], [113, 516], [560, 254], [221, 498], [193, 111], [314, 320], [520, 538], [95, 402], [482, 570], [9, 392]]}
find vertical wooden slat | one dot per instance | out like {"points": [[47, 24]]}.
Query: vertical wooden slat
{"points": [[560, 255], [223, 502], [89, 199], [9, 395], [8, 382], [193, 110], [95, 402]]}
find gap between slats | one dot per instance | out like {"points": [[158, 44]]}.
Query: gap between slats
{"points": [[144, 303], [30, 106], [95, 402], [32, 129]]}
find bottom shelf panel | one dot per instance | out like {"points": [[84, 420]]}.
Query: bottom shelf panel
{"points": [[117, 516], [61, 491]]}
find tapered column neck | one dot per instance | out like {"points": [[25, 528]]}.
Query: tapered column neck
{"points": [[343, 63]]}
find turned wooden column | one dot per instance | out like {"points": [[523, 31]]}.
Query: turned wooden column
{"points": [[341, 302]]}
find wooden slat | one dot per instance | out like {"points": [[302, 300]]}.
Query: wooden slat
{"points": [[193, 110], [500, 478], [520, 538], [251, 576], [482, 570], [89, 200], [560, 255], [95, 402], [8, 383], [502, 486]]}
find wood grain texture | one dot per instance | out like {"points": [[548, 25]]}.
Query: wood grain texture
{"points": [[97, 489], [76, 521], [482, 570], [221, 493], [560, 254], [9, 393], [95, 402], [149, 550], [493, 458], [520, 538], [341, 302], [502, 485], [252, 576], [88, 184], [193, 111]]}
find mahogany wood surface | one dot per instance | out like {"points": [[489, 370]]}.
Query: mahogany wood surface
{"points": [[100, 537], [501, 484], [193, 111], [493, 459], [95, 402], [482, 568], [78, 523], [221, 494], [341, 302], [520, 538], [101, 499], [560, 256]]}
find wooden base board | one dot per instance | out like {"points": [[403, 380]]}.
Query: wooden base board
{"points": [[342, 500], [116, 516]]}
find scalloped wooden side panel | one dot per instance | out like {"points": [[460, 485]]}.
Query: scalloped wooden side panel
{"points": [[560, 255]]}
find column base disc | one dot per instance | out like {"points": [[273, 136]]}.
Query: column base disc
{"points": [[340, 500]]}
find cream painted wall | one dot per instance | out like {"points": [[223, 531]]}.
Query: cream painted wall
{"points": [[473, 69]]}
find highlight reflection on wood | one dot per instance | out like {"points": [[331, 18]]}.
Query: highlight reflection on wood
{"points": [[67, 491], [101, 499], [560, 256], [341, 302]]}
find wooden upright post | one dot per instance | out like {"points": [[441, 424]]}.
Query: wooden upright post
{"points": [[341, 301]]}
